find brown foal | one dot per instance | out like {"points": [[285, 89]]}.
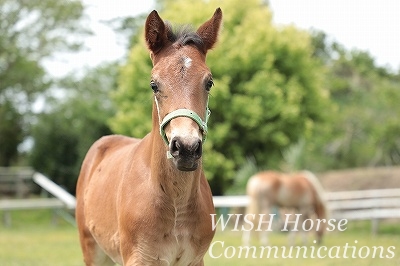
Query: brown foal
{"points": [[147, 201]]}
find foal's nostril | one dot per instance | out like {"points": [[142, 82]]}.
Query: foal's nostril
{"points": [[198, 149], [174, 149], [180, 148]]}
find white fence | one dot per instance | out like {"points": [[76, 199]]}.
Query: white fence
{"points": [[67, 199], [60, 201], [373, 205]]}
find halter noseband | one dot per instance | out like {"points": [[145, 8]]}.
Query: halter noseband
{"points": [[185, 113]]}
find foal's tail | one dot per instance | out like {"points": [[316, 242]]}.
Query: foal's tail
{"points": [[320, 204]]}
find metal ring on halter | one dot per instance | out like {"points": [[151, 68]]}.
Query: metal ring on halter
{"points": [[185, 113]]}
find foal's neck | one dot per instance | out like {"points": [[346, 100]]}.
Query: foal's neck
{"points": [[179, 186], [175, 184]]}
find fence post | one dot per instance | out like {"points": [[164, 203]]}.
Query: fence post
{"points": [[7, 218], [374, 225]]}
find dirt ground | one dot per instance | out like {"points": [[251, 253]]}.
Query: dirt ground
{"points": [[361, 179]]}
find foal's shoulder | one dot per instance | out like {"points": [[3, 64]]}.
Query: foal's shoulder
{"points": [[113, 142]]}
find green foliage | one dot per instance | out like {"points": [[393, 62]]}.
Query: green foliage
{"points": [[55, 151], [241, 177], [11, 133], [38, 27], [268, 89], [361, 131], [30, 30], [133, 97], [65, 132], [129, 28], [293, 157]]}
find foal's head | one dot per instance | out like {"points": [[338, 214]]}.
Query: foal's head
{"points": [[181, 82]]}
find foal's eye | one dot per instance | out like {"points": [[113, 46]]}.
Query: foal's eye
{"points": [[209, 84], [153, 86]]}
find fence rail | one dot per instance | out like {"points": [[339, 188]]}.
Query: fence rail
{"points": [[23, 204], [363, 194], [62, 202], [374, 205], [55, 190], [371, 205]]}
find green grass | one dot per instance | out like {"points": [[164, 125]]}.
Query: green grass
{"points": [[34, 240], [232, 243]]}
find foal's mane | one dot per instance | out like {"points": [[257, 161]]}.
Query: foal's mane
{"points": [[182, 35]]}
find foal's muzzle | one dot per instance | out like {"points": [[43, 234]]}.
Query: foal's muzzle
{"points": [[186, 153], [185, 113]]}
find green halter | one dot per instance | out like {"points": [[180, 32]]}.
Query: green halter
{"points": [[185, 113]]}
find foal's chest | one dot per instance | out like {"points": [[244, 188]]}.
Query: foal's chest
{"points": [[168, 231], [180, 243], [179, 249], [177, 246], [175, 237]]}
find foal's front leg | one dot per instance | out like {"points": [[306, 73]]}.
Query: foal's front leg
{"points": [[93, 255], [139, 255]]}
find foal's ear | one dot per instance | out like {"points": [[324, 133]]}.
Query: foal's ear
{"points": [[210, 29], [155, 32]]}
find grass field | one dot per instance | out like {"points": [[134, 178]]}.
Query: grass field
{"points": [[34, 240]]}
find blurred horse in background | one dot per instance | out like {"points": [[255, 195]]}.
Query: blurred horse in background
{"points": [[300, 193]]}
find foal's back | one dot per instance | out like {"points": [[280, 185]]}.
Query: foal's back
{"points": [[286, 190], [106, 146]]}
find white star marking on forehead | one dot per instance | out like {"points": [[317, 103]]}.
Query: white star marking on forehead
{"points": [[187, 61]]}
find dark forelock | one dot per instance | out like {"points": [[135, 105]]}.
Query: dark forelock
{"points": [[184, 35]]}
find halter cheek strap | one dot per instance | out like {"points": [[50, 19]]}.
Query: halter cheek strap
{"points": [[185, 113]]}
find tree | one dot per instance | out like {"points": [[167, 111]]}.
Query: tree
{"points": [[368, 117], [268, 89], [70, 125], [361, 130], [128, 27], [11, 133], [30, 30]]}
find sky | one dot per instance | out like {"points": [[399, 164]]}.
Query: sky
{"points": [[368, 25]]}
